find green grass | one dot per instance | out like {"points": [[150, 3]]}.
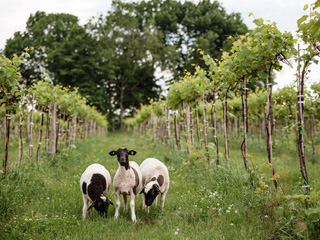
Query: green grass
{"points": [[43, 200]]}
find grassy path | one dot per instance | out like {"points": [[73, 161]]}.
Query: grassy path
{"points": [[43, 200]]}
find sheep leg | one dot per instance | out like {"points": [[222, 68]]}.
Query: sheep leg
{"points": [[91, 212], [144, 206], [125, 202], [116, 215], [144, 202], [162, 199], [156, 201], [85, 207], [132, 198]]}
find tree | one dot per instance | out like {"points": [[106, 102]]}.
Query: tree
{"points": [[187, 26], [42, 32], [65, 50], [130, 53], [75, 62]]}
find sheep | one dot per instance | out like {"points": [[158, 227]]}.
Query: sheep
{"points": [[127, 180], [95, 183], [155, 180]]}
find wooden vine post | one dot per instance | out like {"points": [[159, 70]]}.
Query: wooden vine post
{"points": [[225, 122], [268, 122], [214, 129], [205, 129], [40, 133], [312, 126], [245, 123], [58, 134], [63, 130], [188, 120], [168, 127], [20, 152], [191, 129], [184, 110], [197, 126], [5, 164], [31, 126], [300, 122], [176, 131], [53, 134]]}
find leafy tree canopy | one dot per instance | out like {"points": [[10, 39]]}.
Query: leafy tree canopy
{"points": [[64, 49], [113, 58], [188, 27]]}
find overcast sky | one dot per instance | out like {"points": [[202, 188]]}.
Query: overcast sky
{"points": [[15, 13]]}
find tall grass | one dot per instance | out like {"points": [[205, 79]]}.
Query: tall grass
{"points": [[43, 200]]}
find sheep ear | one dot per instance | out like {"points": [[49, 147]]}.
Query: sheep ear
{"points": [[112, 153], [142, 191], [132, 152], [110, 202], [103, 198]]}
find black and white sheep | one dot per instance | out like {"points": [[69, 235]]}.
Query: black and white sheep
{"points": [[155, 180], [95, 183], [127, 180]]}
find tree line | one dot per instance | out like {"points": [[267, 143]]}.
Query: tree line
{"points": [[113, 58]]}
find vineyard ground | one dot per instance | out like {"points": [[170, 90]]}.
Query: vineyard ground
{"points": [[43, 200]]}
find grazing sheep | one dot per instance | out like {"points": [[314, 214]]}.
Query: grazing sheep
{"points": [[95, 184], [155, 180], [127, 180]]}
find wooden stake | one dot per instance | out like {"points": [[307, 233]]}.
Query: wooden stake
{"points": [[40, 134], [205, 129], [31, 127], [20, 154], [5, 164], [225, 117]]}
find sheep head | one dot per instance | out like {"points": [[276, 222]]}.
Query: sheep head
{"points": [[101, 205], [123, 156], [150, 191]]}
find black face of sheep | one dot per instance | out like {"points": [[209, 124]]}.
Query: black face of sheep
{"points": [[123, 156], [101, 205], [151, 194]]}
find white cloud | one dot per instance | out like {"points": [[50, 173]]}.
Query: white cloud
{"points": [[284, 13]]}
